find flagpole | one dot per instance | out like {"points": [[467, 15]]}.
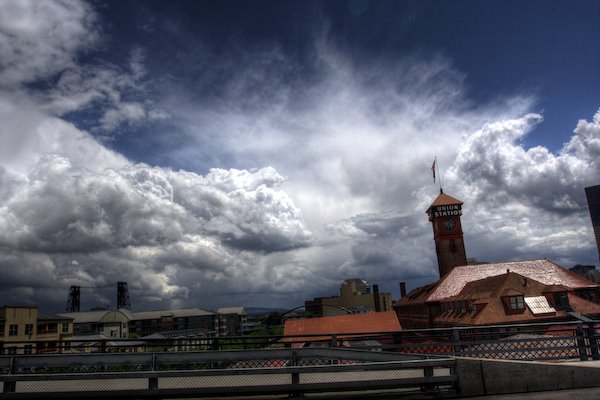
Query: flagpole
{"points": [[433, 166], [440, 174]]}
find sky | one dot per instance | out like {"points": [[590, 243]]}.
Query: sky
{"points": [[258, 153]]}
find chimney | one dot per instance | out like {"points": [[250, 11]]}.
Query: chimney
{"points": [[376, 298], [402, 289]]}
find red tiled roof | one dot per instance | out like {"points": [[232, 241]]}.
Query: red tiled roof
{"points": [[583, 306], [543, 271], [444, 200], [342, 324], [554, 289], [418, 295], [491, 290]]}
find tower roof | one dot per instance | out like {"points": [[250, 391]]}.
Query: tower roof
{"points": [[444, 200]]}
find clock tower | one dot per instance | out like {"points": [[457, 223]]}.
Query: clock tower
{"points": [[444, 215]]}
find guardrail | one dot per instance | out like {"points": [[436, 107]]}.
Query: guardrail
{"points": [[540, 341], [205, 374], [527, 342]]}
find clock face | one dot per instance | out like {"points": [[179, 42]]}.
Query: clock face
{"points": [[449, 224]]}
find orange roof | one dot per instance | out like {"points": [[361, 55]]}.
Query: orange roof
{"points": [[544, 271], [444, 200], [341, 325]]}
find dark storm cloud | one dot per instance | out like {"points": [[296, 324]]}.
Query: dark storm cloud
{"points": [[388, 246]]}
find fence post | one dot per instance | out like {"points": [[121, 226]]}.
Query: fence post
{"points": [[334, 342], [593, 341], [10, 387], [153, 381], [581, 343], [427, 373], [456, 346], [295, 375]]}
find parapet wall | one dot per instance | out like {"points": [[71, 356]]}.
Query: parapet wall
{"points": [[480, 377]]}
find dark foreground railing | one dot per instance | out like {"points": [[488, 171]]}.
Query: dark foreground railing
{"points": [[289, 372]]}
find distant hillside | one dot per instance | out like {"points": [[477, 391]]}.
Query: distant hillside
{"points": [[263, 310]]}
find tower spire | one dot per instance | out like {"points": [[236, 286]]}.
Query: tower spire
{"points": [[444, 215]]}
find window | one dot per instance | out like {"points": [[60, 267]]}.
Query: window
{"points": [[13, 330], [11, 350], [516, 303], [28, 329], [561, 301], [65, 327], [28, 349], [452, 245]]}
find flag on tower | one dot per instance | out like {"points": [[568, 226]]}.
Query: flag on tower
{"points": [[433, 170]]}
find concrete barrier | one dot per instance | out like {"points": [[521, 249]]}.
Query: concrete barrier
{"points": [[481, 377]]}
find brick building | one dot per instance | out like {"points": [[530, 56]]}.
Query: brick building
{"points": [[355, 296], [500, 293], [592, 194], [24, 330]]}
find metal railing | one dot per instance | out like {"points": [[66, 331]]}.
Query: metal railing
{"points": [[540, 341], [418, 359], [291, 372], [528, 342]]}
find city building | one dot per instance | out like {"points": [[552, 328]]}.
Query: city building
{"points": [[500, 293], [110, 323], [100, 343], [592, 194], [144, 323], [181, 340], [24, 330], [355, 297], [587, 271], [232, 321], [122, 323]]}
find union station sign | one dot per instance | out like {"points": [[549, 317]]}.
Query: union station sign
{"points": [[445, 211]]}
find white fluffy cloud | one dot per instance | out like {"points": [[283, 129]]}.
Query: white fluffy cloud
{"points": [[40, 38], [40, 42], [528, 202], [161, 219]]}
